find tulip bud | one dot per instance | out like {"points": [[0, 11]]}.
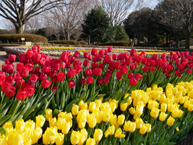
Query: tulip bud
{"points": [[180, 113], [121, 119], [170, 121], [170, 107], [106, 116], [129, 101], [52, 122], [175, 113], [92, 106], [59, 139], [110, 131], [143, 129], [75, 137], [148, 127], [163, 107], [98, 134], [20, 125], [139, 110], [40, 120], [118, 133], [82, 122], [190, 107]]}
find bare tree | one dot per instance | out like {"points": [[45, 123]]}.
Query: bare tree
{"points": [[118, 10], [34, 24], [20, 11], [179, 14], [68, 18]]}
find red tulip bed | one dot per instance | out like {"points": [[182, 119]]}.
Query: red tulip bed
{"points": [[128, 98]]}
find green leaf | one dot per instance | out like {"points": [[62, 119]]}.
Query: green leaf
{"points": [[2, 131]]}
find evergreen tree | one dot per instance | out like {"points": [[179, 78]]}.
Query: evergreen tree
{"points": [[97, 26], [121, 34]]}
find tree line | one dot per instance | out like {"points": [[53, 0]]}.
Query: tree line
{"points": [[98, 21]]}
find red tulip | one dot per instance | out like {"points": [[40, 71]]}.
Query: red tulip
{"points": [[78, 68], [10, 68], [145, 69], [133, 81], [189, 71], [110, 48], [152, 69], [60, 76], [114, 56], [22, 57], [7, 61], [88, 72], [30, 66], [33, 77], [43, 76], [86, 63], [29, 90], [19, 66], [83, 81], [64, 56], [90, 80], [130, 75], [124, 70], [94, 65], [8, 89], [36, 49], [101, 65], [18, 83], [4, 67], [71, 73], [12, 58], [106, 52], [100, 81], [133, 52], [108, 74], [29, 54], [24, 71], [86, 54], [94, 51], [52, 73], [9, 79], [138, 77], [54, 88], [97, 71], [119, 75], [132, 67], [90, 57], [46, 83], [76, 54], [143, 53], [101, 53], [71, 84], [106, 80], [54, 79], [36, 57], [107, 59], [121, 56], [2, 77]]}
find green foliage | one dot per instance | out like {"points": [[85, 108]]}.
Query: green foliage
{"points": [[118, 43], [121, 34], [15, 38], [70, 42], [4, 31], [97, 26]]}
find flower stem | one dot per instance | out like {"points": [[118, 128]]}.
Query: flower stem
{"points": [[2, 99], [80, 90]]}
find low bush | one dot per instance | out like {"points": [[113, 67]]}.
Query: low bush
{"points": [[118, 43], [16, 38], [69, 42]]}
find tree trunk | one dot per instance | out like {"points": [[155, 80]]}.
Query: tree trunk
{"points": [[188, 32], [89, 40], [177, 38], [138, 39], [68, 36], [19, 29]]}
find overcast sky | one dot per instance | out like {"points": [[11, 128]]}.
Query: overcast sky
{"points": [[152, 5]]}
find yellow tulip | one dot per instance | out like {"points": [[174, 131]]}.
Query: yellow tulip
{"points": [[92, 106], [186, 104], [75, 110], [190, 107], [118, 133], [170, 121], [20, 125], [3, 140], [106, 116], [129, 101], [98, 117], [139, 110], [40, 120], [110, 131], [65, 127], [75, 137], [52, 122], [175, 113], [98, 134], [26, 142], [163, 107], [92, 122], [162, 98], [129, 126], [113, 119], [84, 106], [59, 139], [148, 127], [162, 116], [121, 119], [68, 117], [154, 112], [8, 126], [36, 135], [151, 104], [180, 113], [143, 129], [177, 129], [80, 104], [30, 125], [82, 122], [48, 114], [132, 111], [98, 102], [60, 122], [83, 136], [90, 141], [170, 107], [17, 139], [123, 106], [139, 123]]}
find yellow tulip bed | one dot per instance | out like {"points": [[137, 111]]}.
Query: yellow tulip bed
{"points": [[154, 116]]}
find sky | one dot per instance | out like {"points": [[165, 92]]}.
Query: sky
{"points": [[152, 5]]}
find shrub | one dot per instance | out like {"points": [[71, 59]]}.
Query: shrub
{"points": [[69, 42], [15, 38], [118, 43], [121, 34]]}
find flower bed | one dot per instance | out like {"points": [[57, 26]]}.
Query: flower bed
{"points": [[120, 99]]}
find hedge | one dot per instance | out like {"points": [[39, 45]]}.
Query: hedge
{"points": [[118, 43], [15, 38], [69, 42]]}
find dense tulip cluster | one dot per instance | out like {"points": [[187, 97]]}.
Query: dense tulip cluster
{"points": [[103, 96]]}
